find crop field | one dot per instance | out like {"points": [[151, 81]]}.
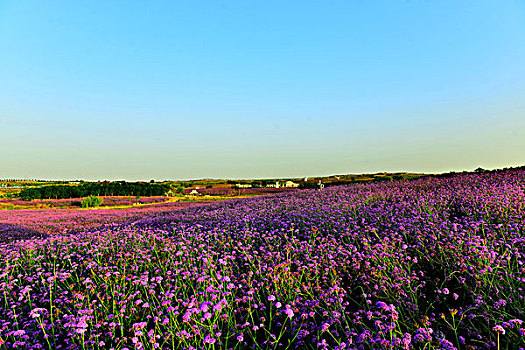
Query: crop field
{"points": [[424, 264], [15, 224]]}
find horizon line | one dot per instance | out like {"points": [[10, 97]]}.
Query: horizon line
{"points": [[264, 178]]}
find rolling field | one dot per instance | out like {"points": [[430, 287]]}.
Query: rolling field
{"points": [[75, 203], [15, 224], [425, 264]]}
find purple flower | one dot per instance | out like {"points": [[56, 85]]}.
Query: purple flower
{"points": [[204, 307], [209, 340], [139, 325], [217, 307], [82, 324], [36, 312], [499, 329]]}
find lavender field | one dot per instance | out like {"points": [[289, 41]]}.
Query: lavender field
{"points": [[16, 224], [426, 264]]}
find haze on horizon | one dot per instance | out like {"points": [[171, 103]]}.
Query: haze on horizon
{"points": [[160, 90]]}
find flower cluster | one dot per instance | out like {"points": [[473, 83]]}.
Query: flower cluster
{"points": [[426, 264]]}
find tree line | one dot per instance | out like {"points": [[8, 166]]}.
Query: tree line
{"points": [[118, 188]]}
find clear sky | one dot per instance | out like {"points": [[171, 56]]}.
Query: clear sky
{"points": [[253, 89]]}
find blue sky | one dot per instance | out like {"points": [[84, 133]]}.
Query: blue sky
{"points": [[253, 89]]}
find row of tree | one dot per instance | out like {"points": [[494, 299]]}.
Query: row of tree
{"points": [[118, 188]]}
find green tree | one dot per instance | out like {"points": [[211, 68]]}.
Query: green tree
{"points": [[91, 202]]}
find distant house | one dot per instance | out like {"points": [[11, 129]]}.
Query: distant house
{"points": [[194, 193], [244, 185], [275, 185], [291, 184]]}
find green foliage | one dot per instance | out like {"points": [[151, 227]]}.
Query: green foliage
{"points": [[480, 170], [91, 202], [176, 188], [28, 194], [380, 178], [117, 188], [310, 184]]}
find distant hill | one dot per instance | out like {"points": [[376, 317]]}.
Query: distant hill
{"points": [[11, 187]]}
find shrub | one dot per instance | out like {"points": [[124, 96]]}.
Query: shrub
{"points": [[91, 202]]}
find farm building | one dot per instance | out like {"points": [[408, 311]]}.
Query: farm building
{"points": [[244, 185]]}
